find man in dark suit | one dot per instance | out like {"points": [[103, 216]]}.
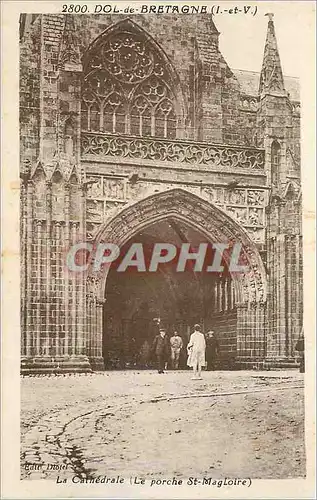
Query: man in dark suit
{"points": [[212, 349], [160, 349]]}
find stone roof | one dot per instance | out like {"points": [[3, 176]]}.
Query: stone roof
{"points": [[249, 83]]}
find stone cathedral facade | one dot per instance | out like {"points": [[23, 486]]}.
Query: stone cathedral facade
{"points": [[137, 130]]}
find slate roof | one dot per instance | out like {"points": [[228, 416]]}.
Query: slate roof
{"points": [[249, 83]]}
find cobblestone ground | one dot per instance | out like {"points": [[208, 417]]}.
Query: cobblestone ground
{"points": [[233, 424]]}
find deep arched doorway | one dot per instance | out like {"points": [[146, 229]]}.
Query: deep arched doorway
{"points": [[123, 305], [137, 303]]}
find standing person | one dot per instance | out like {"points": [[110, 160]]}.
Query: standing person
{"points": [[196, 352], [212, 349], [145, 354], [160, 350], [176, 342]]}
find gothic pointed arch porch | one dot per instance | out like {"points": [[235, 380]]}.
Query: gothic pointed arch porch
{"points": [[216, 226]]}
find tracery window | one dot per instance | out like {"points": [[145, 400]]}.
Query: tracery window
{"points": [[127, 88]]}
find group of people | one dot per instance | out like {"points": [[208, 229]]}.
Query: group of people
{"points": [[202, 350]]}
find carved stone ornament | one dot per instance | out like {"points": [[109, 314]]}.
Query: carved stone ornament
{"points": [[192, 210], [192, 153]]}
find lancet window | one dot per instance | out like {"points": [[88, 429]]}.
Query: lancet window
{"points": [[127, 88]]}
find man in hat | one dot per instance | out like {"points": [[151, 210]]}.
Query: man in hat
{"points": [[212, 349], [160, 350]]}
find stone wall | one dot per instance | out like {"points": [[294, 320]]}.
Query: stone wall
{"points": [[72, 183]]}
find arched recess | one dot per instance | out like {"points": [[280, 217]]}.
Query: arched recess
{"points": [[217, 227], [130, 86]]}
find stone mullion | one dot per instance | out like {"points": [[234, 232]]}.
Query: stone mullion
{"points": [[88, 117], [67, 271], [48, 238], [101, 116], [38, 286], [29, 232]]}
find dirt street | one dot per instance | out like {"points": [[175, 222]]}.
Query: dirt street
{"points": [[230, 424]]}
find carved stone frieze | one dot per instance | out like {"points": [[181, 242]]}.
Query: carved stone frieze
{"points": [[94, 187], [256, 197], [256, 234], [104, 187], [235, 196], [105, 196], [182, 152], [92, 229], [95, 210], [210, 220], [238, 213], [255, 216]]}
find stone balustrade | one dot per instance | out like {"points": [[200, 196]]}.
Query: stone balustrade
{"points": [[224, 157]]}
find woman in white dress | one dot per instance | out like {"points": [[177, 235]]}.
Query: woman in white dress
{"points": [[196, 349]]}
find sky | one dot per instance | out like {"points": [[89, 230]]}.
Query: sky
{"points": [[243, 36]]}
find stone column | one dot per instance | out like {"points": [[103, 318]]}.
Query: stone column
{"points": [[28, 287], [232, 291], [219, 286], [226, 295], [48, 238], [39, 224], [81, 312], [73, 310], [216, 296], [57, 277], [67, 271], [98, 359], [242, 350], [281, 296], [23, 229]]}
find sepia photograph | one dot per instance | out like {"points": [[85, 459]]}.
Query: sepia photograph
{"points": [[161, 298]]}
